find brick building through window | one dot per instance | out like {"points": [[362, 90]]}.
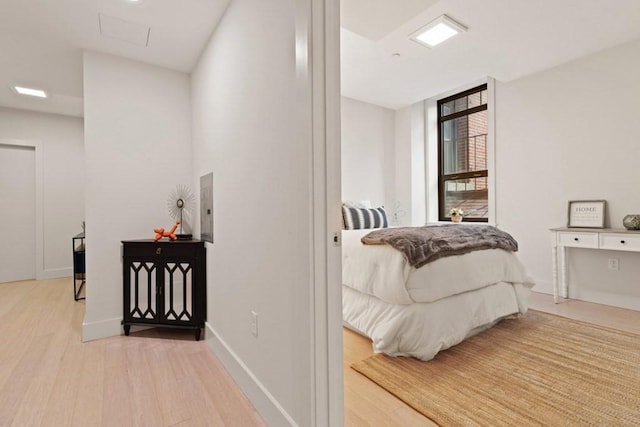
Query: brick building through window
{"points": [[462, 155]]}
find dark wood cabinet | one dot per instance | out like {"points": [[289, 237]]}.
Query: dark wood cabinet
{"points": [[79, 273], [164, 284]]}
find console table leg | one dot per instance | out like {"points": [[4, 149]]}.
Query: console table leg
{"points": [[554, 256], [127, 329], [564, 281]]}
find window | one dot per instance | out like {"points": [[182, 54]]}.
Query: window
{"points": [[462, 155]]}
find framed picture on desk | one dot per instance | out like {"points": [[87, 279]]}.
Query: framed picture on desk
{"points": [[586, 213]]}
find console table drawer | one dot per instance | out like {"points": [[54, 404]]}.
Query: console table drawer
{"points": [[620, 242], [578, 239], [165, 248]]}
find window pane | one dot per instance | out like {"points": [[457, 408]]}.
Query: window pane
{"points": [[464, 103], [475, 100], [471, 195], [449, 147], [460, 104], [446, 108], [465, 143]]}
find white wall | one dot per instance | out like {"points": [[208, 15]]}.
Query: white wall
{"points": [[410, 167], [571, 133], [244, 131], [368, 153], [62, 142], [383, 159], [138, 148]]}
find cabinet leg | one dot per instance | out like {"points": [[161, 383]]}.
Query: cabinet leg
{"points": [[127, 328], [198, 334]]}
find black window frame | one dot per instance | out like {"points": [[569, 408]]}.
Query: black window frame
{"points": [[442, 177]]}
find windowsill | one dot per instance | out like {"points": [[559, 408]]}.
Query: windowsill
{"points": [[463, 222]]}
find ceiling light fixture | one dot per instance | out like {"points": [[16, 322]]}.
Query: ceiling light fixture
{"points": [[30, 92], [437, 31]]}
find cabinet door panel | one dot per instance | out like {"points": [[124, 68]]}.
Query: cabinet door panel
{"points": [[142, 287], [178, 291]]}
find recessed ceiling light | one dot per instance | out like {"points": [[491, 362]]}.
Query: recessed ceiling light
{"points": [[30, 91], [437, 31]]}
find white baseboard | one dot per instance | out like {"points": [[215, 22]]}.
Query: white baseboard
{"points": [[101, 329], [629, 302], [54, 273], [543, 287], [265, 403]]}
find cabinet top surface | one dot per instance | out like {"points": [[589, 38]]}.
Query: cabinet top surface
{"points": [[596, 230], [164, 241]]}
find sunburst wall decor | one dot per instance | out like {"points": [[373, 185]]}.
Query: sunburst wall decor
{"points": [[180, 205]]}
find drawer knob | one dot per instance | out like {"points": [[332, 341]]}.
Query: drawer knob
{"points": [[622, 241], [576, 239], [158, 251]]}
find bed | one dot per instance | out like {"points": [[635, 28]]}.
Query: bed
{"points": [[419, 311]]}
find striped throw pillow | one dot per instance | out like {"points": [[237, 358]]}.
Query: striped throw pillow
{"points": [[360, 218]]}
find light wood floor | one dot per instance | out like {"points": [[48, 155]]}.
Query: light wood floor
{"points": [[157, 377], [163, 377], [367, 404]]}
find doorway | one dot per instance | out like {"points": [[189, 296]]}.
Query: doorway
{"points": [[17, 212]]}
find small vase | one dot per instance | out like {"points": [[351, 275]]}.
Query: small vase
{"points": [[456, 218], [631, 222]]}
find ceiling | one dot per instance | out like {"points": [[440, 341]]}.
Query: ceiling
{"points": [[507, 39], [41, 42]]}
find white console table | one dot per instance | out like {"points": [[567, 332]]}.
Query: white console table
{"points": [[612, 239]]}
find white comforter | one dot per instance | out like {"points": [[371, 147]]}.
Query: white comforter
{"points": [[383, 272], [421, 330], [419, 312]]}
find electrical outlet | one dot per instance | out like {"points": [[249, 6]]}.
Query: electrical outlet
{"points": [[254, 323], [613, 264]]}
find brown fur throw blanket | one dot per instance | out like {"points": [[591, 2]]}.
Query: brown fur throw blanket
{"points": [[421, 245]]}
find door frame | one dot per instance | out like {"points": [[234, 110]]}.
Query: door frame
{"points": [[39, 163], [318, 93]]}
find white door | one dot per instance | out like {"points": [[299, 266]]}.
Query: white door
{"points": [[17, 213]]}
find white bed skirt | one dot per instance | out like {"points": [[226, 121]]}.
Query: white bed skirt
{"points": [[422, 330]]}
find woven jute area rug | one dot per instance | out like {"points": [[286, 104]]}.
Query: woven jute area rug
{"points": [[537, 370]]}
